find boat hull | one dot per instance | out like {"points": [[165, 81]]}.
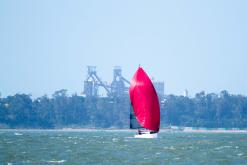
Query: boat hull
{"points": [[147, 136]]}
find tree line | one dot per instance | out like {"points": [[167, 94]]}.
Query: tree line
{"points": [[60, 111]]}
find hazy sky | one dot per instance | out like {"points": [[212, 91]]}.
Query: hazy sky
{"points": [[196, 45]]}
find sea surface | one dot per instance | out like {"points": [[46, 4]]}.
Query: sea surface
{"points": [[119, 147]]}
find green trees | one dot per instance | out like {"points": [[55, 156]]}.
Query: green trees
{"points": [[17, 110], [206, 110], [60, 110], [43, 106]]}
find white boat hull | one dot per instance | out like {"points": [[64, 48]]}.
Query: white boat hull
{"points": [[147, 136]]}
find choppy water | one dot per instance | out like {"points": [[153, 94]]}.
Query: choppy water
{"points": [[118, 147]]}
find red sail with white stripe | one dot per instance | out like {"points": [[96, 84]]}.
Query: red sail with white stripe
{"points": [[145, 101]]}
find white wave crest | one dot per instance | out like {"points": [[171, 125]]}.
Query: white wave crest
{"points": [[56, 161]]}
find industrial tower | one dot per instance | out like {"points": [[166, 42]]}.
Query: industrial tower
{"points": [[118, 87], [92, 83]]}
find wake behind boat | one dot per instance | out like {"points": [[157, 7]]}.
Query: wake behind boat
{"points": [[145, 115]]}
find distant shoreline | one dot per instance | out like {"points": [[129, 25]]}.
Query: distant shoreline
{"points": [[69, 130], [215, 131], [128, 130]]}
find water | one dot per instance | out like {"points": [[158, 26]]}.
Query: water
{"points": [[118, 147]]}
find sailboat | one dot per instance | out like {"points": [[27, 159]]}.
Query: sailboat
{"points": [[145, 108]]}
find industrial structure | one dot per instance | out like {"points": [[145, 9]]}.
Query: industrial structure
{"points": [[93, 82], [117, 88], [160, 88]]}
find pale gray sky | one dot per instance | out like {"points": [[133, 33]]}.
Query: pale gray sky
{"points": [[195, 45]]}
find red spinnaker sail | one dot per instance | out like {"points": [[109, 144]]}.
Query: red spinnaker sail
{"points": [[145, 101]]}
